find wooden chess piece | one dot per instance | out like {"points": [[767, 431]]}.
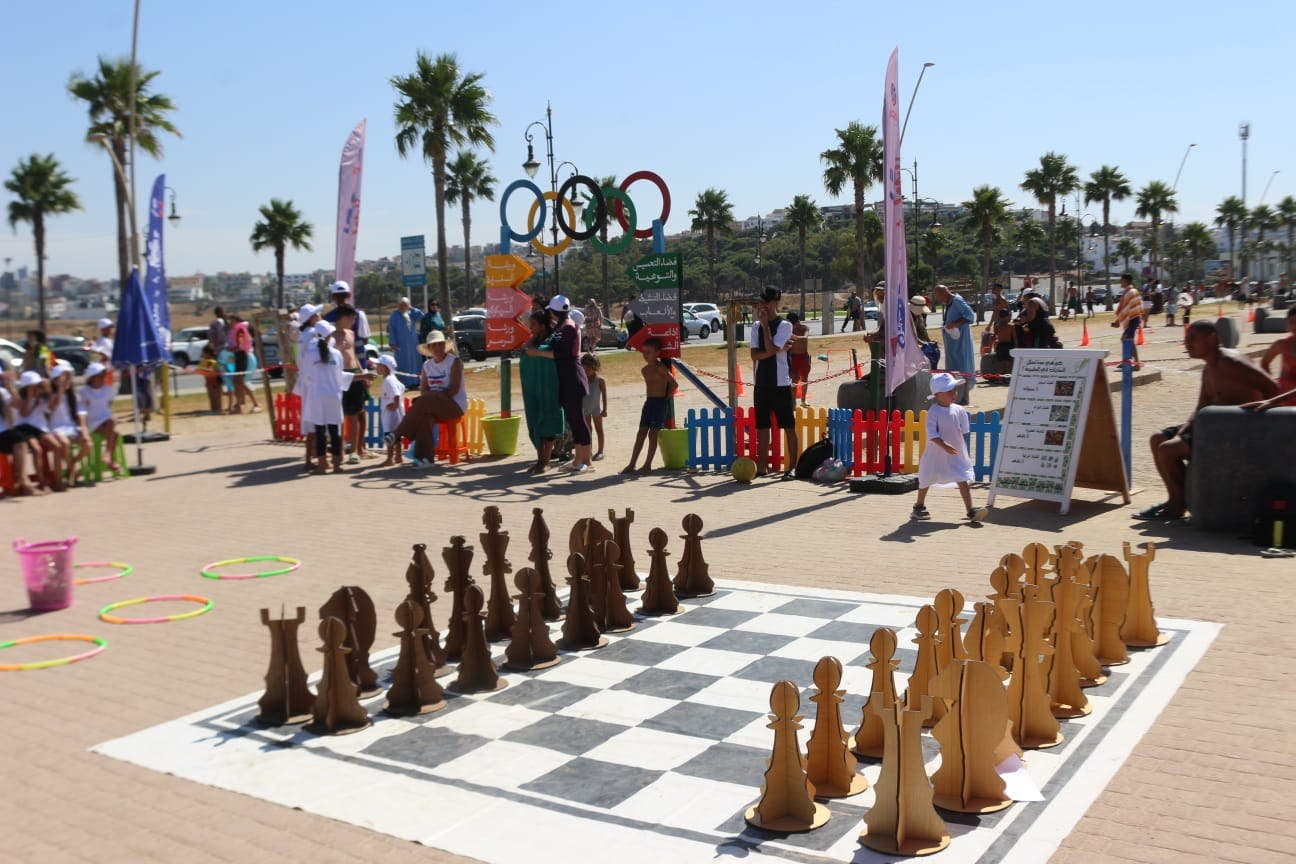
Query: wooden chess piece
{"points": [[1084, 641], [1036, 556], [540, 557], [985, 636], [530, 647], [1067, 699], [352, 605], [870, 738], [692, 575], [1005, 596], [337, 709], [414, 688], [902, 820], [616, 616], [969, 736], [499, 611], [421, 578], [579, 632], [658, 597], [587, 538], [925, 668], [458, 559], [1034, 726], [1014, 567], [1140, 628], [949, 627], [621, 532], [831, 767], [477, 670], [1111, 599], [287, 699], [787, 796]]}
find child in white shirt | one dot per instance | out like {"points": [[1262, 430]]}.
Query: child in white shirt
{"points": [[14, 441], [392, 400], [946, 460], [96, 399], [32, 413], [68, 418]]}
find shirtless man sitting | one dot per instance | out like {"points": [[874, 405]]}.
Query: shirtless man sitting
{"points": [[1229, 378]]}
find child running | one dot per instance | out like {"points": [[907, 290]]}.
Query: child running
{"points": [[594, 405], [392, 400], [946, 460], [659, 385]]}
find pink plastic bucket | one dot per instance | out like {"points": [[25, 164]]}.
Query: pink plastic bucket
{"points": [[48, 572]]}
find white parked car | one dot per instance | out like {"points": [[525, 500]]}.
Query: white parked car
{"points": [[11, 355], [708, 312], [187, 345], [695, 326]]}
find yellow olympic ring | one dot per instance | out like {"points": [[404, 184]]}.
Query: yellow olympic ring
{"points": [[542, 248]]}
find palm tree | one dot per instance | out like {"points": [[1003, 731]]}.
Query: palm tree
{"points": [[1054, 178], [857, 160], [1263, 218], [468, 178], [1198, 243], [712, 211], [1107, 184], [1231, 214], [985, 213], [1029, 235], [441, 106], [108, 101], [40, 189], [281, 226], [805, 216], [1126, 249], [1153, 200], [1287, 215]]}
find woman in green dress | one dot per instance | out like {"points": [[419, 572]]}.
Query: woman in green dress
{"points": [[544, 413]]}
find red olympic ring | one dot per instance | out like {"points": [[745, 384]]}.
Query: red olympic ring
{"points": [[644, 233]]}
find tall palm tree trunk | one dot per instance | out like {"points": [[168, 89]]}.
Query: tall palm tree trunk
{"points": [[1291, 232], [1232, 259], [467, 225], [861, 266], [1107, 248], [1053, 254], [715, 294], [607, 300], [123, 242], [38, 232], [801, 234], [986, 237], [443, 273], [279, 271]]}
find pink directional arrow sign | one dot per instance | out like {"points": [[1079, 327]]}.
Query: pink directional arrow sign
{"points": [[505, 304]]}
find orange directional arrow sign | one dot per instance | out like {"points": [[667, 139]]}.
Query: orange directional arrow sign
{"points": [[504, 303], [506, 271]]}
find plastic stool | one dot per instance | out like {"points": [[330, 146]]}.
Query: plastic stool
{"points": [[451, 445], [96, 467]]}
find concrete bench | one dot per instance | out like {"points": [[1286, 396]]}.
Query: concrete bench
{"points": [[1268, 322], [1236, 454]]}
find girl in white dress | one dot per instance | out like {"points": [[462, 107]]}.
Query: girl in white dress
{"points": [[322, 381], [946, 461], [68, 418], [32, 412]]}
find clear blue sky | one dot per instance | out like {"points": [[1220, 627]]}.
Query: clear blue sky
{"points": [[738, 96]]}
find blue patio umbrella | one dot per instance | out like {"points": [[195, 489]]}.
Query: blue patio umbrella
{"points": [[137, 343]]}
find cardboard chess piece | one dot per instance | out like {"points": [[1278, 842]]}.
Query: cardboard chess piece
{"points": [[352, 605], [925, 668], [458, 558], [337, 709], [787, 796], [1111, 599], [1084, 641], [870, 738], [587, 538], [949, 627], [287, 699], [616, 616], [985, 636], [1034, 726], [1067, 699], [579, 631], [831, 767], [540, 557], [1140, 628], [414, 688], [902, 820], [969, 737], [1014, 567], [1036, 556], [659, 592], [421, 578], [499, 611], [1004, 595], [477, 672], [692, 576], [621, 533], [530, 647]]}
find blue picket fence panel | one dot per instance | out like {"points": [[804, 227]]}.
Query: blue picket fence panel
{"points": [[984, 431], [839, 432], [710, 439]]}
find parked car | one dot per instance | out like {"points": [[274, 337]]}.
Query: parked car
{"points": [[696, 326], [870, 312], [11, 355], [708, 312], [78, 356], [188, 344], [475, 310], [612, 336], [1100, 295], [470, 336], [60, 341]]}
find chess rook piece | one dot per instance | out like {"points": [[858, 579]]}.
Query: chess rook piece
{"points": [[1111, 599], [499, 612], [870, 739], [477, 670], [1066, 697], [902, 820], [422, 584], [458, 559], [616, 617], [969, 737], [692, 576], [530, 647], [1084, 643], [353, 606], [1036, 556], [925, 668], [659, 593], [579, 631], [337, 709], [787, 802], [539, 558], [287, 699], [830, 765], [1034, 726], [621, 533], [414, 688], [1140, 628], [949, 627]]}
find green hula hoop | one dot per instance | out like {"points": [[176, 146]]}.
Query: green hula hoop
{"points": [[292, 563]]}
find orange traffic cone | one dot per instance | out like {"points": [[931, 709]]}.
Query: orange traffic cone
{"points": [[1139, 339], [1219, 310], [742, 388], [1250, 316], [1084, 336], [800, 391]]}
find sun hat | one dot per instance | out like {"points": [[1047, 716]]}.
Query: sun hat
{"points": [[308, 311], [434, 337], [95, 369], [918, 303], [943, 382], [387, 360], [29, 378], [559, 303], [60, 368], [324, 329], [339, 287], [105, 322]]}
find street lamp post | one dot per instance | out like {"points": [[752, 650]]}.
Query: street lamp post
{"points": [[1244, 134], [531, 166], [912, 97], [1174, 257]]}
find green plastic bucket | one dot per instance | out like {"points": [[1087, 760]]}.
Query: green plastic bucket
{"points": [[501, 434], [674, 447]]}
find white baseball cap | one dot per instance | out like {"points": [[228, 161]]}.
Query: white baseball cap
{"points": [[943, 382], [106, 322], [324, 329], [559, 303], [307, 311], [29, 378], [404, 300], [387, 360], [340, 287], [62, 367], [95, 369]]}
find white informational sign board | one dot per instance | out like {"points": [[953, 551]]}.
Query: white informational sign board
{"points": [[1058, 430]]}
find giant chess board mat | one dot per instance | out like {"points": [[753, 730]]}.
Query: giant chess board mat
{"points": [[650, 749]]}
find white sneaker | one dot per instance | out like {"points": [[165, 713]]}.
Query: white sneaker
{"points": [[581, 469]]}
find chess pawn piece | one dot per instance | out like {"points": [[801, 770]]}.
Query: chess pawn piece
{"points": [[499, 611], [540, 557], [353, 607], [422, 584], [1034, 726], [337, 709], [969, 737], [1067, 699], [1111, 586], [692, 576], [925, 669], [287, 699], [579, 631], [621, 532], [949, 627], [477, 670], [870, 739], [902, 820], [1036, 556], [616, 616], [458, 559], [530, 647], [1085, 640], [787, 796], [831, 767], [1140, 628], [659, 593], [414, 688]]}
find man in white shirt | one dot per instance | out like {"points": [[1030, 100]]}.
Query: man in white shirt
{"points": [[770, 339], [102, 348]]}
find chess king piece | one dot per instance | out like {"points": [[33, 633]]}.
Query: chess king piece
{"points": [[870, 739], [458, 559], [621, 533], [499, 612], [659, 593], [830, 765], [1034, 726], [421, 579], [787, 796], [353, 607], [337, 709], [925, 668], [616, 616], [1111, 584], [970, 736], [1066, 698], [414, 688], [477, 670], [1140, 628], [540, 556], [902, 820], [579, 631], [587, 538], [530, 647], [692, 576], [949, 627], [287, 699]]}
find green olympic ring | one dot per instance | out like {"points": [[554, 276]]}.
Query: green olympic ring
{"points": [[621, 244]]}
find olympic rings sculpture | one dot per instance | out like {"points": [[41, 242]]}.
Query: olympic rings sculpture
{"points": [[595, 217]]}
